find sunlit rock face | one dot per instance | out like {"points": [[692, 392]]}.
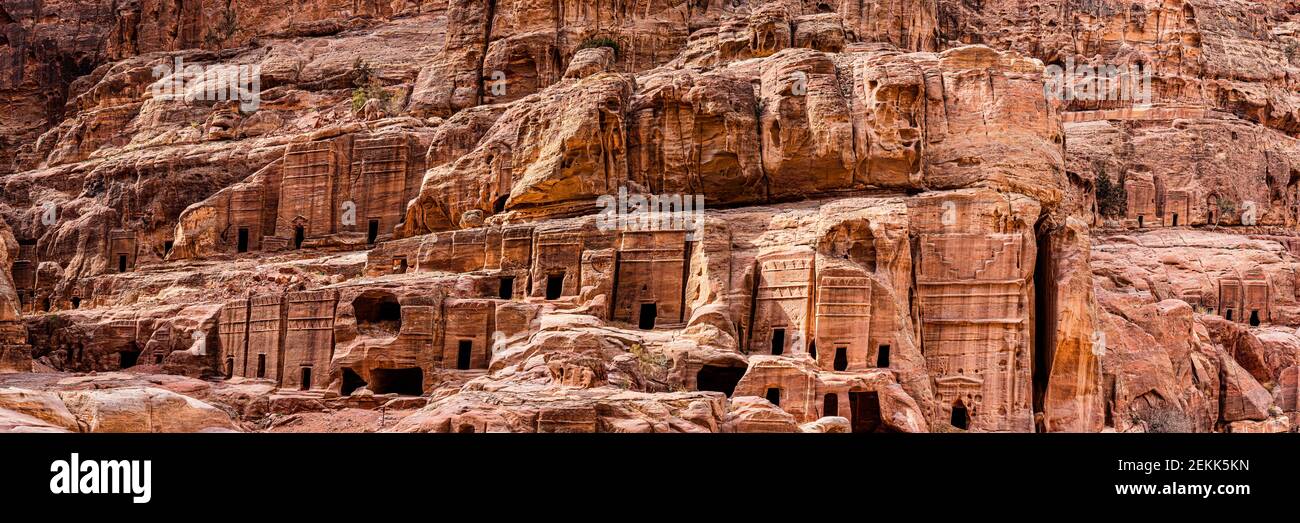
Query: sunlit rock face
{"points": [[739, 216]]}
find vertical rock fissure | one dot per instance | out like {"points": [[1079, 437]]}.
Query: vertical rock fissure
{"points": [[487, 42], [1044, 316]]}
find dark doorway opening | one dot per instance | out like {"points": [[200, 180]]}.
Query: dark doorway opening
{"points": [[774, 396], [1227, 314], [1140, 221], [647, 318], [865, 409], [306, 379], [778, 341], [157, 359], [812, 349], [1254, 318], [121, 263], [243, 240], [841, 358], [167, 247], [76, 302], [719, 379], [554, 286], [230, 368], [372, 232], [960, 417], [506, 290], [406, 382], [464, 353], [351, 382], [1175, 219], [499, 206], [882, 357], [261, 365], [399, 265], [299, 234], [129, 356], [45, 304], [831, 405]]}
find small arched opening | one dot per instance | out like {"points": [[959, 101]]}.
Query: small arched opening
{"points": [[960, 416]]}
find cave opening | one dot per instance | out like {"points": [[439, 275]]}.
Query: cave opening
{"points": [[351, 382], [778, 341], [554, 286], [812, 348], [1254, 318], [399, 265], [882, 357], [405, 382], [76, 302], [167, 247], [864, 406], [1045, 316], [831, 405], [718, 378], [158, 359], [372, 232], [960, 417], [128, 356], [499, 206], [647, 318], [378, 310], [242, 244], [774, 396], [464, 354]]}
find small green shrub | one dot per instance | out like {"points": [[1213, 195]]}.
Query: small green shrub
{"points": [[1112, 198], [1165, 420], [652, 364], [368, 87], [602, 41], [1227, 207]]}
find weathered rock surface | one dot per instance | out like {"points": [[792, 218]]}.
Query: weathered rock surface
{"points": [[879, 216]]}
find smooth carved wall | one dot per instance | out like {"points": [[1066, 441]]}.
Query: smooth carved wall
{"points": [[781, 303], [309, 338], [974, 327], [843, 319], [651, 265]]}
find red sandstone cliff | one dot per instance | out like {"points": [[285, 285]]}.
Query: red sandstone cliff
{"points": [[904, 229]]}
